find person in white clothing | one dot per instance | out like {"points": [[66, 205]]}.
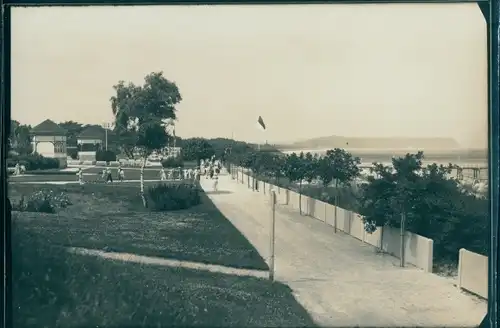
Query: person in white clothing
{"points": [[121, 174], [17, 169], [163, 175], [80, 175], [216, 183]]}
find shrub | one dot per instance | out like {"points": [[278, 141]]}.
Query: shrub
{"points": [[172, 162], [34, 162], [105, 156], [42, 201], [51, 172], [170, 197], [72, 152]]}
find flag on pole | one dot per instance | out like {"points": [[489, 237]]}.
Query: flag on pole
{"points": [[261, 122]]}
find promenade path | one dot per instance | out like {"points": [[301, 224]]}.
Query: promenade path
{"points": [[338, 279]]}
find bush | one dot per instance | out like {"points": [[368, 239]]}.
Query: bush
{"points": [[170, 197], [50, 172], [42, 201], [34, 162], [172, 162], [72, 152], [105, 156]]}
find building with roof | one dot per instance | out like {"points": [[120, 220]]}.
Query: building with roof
{"points": [[90, 141], [49, 140]]}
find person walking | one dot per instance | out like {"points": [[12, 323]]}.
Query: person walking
{"points": [[109, 176], [163, 175], [80, 175], [121, 175], [216, 183]]}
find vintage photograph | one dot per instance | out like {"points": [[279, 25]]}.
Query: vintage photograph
{"points": [[249, 165]]}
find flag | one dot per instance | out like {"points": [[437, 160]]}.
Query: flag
{"points": [[261, 122]]}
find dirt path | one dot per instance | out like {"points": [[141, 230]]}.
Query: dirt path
{"points": [[127, 257], [338, 279]]}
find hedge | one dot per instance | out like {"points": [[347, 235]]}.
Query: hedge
{"points": [[105, 156], [33, 162], [172, 162]]}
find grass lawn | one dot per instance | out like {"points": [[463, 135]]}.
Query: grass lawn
{"points": [[52, 288], [112, 218]]}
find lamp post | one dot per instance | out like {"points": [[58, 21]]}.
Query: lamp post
{"points": [[106, 126]]}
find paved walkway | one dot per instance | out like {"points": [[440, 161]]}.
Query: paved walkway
{"points": [[338, 279]]}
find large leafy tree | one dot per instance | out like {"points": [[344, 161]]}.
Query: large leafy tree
{"points": [[391, 193], [20, 139], [196, 149], [140, 113]]}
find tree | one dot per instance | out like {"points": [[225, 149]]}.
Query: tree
{"points": [[73, 130], [140, 113], [295, 170], [311, 163], [275, 167], [426, 201], [196, 149], [20, 138], [338, 166]]}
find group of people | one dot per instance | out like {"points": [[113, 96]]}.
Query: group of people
{"points": [[210, 168], [179, 173], [106, 174]]}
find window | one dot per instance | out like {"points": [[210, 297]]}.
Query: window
{"points": [[59, 148]]}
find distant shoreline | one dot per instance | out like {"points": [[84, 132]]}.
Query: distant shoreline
{"points": [[472, 157]]}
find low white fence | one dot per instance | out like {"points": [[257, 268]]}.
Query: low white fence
{"points": [[418, 249], [473, 272]]}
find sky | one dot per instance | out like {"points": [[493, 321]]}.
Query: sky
{"points": [[370, 70]]}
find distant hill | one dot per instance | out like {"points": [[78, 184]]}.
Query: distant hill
{"points": [[372, 143]]}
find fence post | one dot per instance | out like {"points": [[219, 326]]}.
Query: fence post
{"points": [[402, 250], [272, 235]]}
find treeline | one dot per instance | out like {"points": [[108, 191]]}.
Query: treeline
{"points": [[425, 197]]}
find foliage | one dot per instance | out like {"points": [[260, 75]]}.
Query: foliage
{"points": [[105, 156], [141, 112], [44, 201], [20, 139], [33, 162], [142, 115], [196, 149], [172, 162], [432, 204], [170, 197], [311, 165], [51, 172], [72, 152], [295, 167], [338, 165], [73, 130]]}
